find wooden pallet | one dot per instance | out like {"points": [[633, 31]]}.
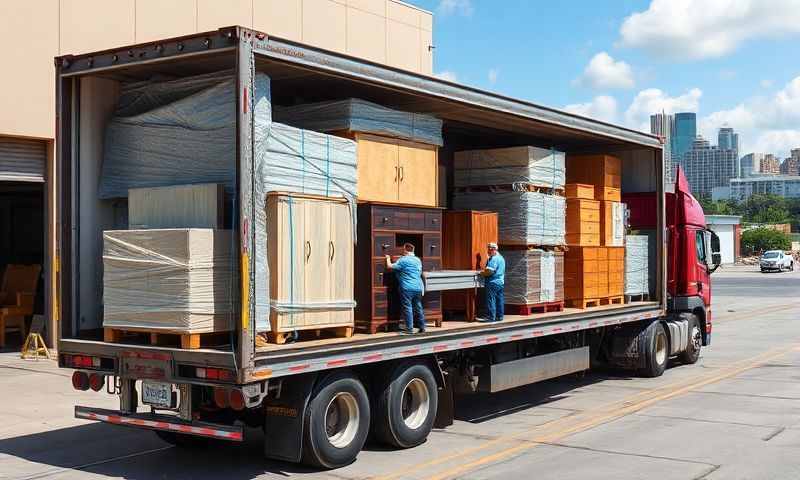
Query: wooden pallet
{"points": [[312, 334], [165, 338], [525, 246], [639, 297], [530, 309], [512, 187], [615, 300], [583, 302]]}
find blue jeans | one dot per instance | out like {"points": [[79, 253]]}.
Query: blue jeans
{"points": [[495, 302], [411, 306]]}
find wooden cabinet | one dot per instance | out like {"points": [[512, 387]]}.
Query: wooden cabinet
{"points": [[310, 257], [597, 170], [382, 230], [396, 171], [583, 222], [464, 238]]}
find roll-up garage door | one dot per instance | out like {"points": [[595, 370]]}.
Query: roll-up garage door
{"points": [[22, 160]]}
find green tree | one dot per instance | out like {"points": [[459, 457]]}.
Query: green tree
{"points": [[758, 240], [766, 208]]}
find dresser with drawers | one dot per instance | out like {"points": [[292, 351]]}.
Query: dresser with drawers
{"points": [[386, 227]]}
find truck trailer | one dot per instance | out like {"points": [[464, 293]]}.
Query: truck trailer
{"points": [[318, 401]]}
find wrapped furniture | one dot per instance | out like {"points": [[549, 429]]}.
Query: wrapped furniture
{"points": [[178, 206], [612, 224], [637, 266], [508, 166], [533, 276]]}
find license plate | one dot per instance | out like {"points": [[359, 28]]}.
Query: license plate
{"points": [[157, 394]]}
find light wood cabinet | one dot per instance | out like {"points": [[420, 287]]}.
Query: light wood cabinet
{"points": [[396, 171], [310, 257]]}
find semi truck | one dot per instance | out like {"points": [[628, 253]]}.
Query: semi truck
{"points": [[317, 403]]}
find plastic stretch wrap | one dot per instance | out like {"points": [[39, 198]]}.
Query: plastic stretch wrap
{"points": [[534, 276], [358, 115], [636, 265], [180, 280], [175, 132], [524, 218], [503, 166]]}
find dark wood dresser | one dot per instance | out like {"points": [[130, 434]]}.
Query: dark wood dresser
{"points": [[382, 230]]}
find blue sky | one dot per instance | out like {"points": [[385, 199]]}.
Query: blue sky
{"points": [[734, 62]]}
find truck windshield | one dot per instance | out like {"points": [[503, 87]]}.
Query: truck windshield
{"points": [[771, 255]]}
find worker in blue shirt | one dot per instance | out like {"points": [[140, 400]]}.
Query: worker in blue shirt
{"points": [[494, 279], [408, 271]]}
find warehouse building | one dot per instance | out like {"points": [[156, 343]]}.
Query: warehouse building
{"points": [[390, 32], [729, 230]]}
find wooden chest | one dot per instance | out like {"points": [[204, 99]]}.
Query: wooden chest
{"points": [[597, 170], [582, 273], [616, 271], [396, 171], [579, 190], [464, 238], [607, 194], [382, 230], [583, 222]]}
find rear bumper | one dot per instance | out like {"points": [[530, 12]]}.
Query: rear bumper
{"points": [[168, 423]]}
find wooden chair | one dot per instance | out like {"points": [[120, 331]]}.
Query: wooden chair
{"points": [[17, 294]]}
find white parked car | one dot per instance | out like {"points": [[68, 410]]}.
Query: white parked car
{"points": [[776, 260]]}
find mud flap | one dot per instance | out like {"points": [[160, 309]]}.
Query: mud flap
{"points": [[283, 419]]}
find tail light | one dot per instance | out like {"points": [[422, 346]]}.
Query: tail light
{"points": [[96, 381], [80, 381], [236, 400], [214, 374], [221, 397]]}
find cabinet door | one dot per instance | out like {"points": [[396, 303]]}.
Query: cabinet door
{"points": [[317, 263], [340, 256], [417, 174], [378, 174], [290, 261]]}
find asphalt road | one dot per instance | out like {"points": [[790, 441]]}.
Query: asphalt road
{"points": [[734, 415]]}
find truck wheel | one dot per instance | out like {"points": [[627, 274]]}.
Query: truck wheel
{"points": [[183, 440], [406, 406], [656, 350], [336, 422], [692, 353]]}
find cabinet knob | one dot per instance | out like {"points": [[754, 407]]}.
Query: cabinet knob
{"points": [[385, 246], [433, 246], [385, 219]]}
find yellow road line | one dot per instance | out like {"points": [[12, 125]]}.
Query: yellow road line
{"points": [[595, 420]]}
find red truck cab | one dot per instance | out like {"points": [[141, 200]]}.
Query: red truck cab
{"points": [[692, 249]]}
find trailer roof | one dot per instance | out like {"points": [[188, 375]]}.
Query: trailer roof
{"points": [[313, 74]]}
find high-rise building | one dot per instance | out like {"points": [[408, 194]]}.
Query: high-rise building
{"points": [[770, 165], [728, 139], [791, 166], [684, 133], [782, 185], [708, 166], [663, 125], [750, 165]]}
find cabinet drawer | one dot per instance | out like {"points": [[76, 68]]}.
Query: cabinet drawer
{"points": [[382, 218], [429, 264], [431, 245], [380, 277], [382, 245], [433, 221], [416, 220], [380, 303]]}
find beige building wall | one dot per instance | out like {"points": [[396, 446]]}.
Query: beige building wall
{"points": [[34, 31]]}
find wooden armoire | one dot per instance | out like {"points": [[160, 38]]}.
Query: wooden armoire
{"points": [[310, 257], [382, 230], [465, 236]]}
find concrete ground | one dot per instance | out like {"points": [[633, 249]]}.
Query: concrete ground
{"points": [[734, 415]]}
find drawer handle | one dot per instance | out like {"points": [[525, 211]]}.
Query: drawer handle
{"points": [[435, 220], [308, 250], [385, 246], [332, 250], [401, 174], [385, 219], [396, 173], [433, 246]]}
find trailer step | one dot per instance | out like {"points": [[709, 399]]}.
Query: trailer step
{"points": [[312, 334], [167, 338], [615, 300], [530, 309], [639, 297], [583, 302]]}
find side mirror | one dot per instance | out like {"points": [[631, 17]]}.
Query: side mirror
{"points": [[716, 259]]}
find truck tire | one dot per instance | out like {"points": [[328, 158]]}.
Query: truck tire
{"points": [[405, 407], [183, 440], [336, 422], [655, 349], [692, 353]]}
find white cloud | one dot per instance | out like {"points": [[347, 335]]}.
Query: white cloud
{"points": [[768, 124], [766, 83], [493, 73], [686, 29], [605, 72], [653, 100], [448, 75], [453, 7], [601, 107]]}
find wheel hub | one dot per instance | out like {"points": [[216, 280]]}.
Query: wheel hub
{"points": [[341, 419], [415, 403]]}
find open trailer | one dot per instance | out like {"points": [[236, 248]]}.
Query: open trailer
{"points": [[318, 400]]}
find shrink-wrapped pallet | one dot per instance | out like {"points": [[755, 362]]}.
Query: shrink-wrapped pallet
{"points": [[179, 206], [356, 115], [524, 218], [533, 276], [636, 265], [508, 166], [177, 280]]}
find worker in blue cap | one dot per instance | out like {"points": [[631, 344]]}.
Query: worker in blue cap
{"points": [[494, 279]]}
